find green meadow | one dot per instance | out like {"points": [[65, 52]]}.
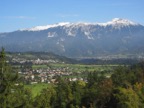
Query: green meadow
{"points": [[36, 88]]}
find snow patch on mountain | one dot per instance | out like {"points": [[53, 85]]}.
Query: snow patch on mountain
{"points": [[62, 39], [51, 34], [88, 34], [63, 48], [71, 31]]}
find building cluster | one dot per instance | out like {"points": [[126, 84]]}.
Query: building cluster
{"points": [[47, 75], [33, 61]]}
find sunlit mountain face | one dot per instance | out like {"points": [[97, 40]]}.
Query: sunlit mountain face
{"points": [[119, 36]]}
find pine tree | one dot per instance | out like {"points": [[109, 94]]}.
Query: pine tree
{"points": [[12, 92], [5, 79]]}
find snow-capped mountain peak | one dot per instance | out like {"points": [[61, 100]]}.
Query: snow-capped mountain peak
{"points": [[119, 21], [38, 28], [122, 21]]}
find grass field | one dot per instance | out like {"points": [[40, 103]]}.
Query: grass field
{"points": [[76, 67], [39, 66], [81, 68], [36, 88]]}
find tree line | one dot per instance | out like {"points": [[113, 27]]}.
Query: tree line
{"points": [[124, 89]]}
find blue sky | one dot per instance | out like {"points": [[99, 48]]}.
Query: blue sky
{"points": [[18, 14]]}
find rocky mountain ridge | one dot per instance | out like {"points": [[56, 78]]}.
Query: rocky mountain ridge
{"points": [[119, 36]]}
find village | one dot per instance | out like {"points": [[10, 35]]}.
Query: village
{"points": [[45, 74]]}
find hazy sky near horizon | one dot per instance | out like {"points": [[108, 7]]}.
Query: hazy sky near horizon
{"points": [[19, 14]]}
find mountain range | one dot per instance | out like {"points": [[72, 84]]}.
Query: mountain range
{"points": [[119, 36]]}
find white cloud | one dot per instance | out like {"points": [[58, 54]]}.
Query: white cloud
{"points": [[18, 17], [25, 17]]}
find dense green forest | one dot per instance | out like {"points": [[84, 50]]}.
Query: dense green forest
{"points": [[124, 89]]}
